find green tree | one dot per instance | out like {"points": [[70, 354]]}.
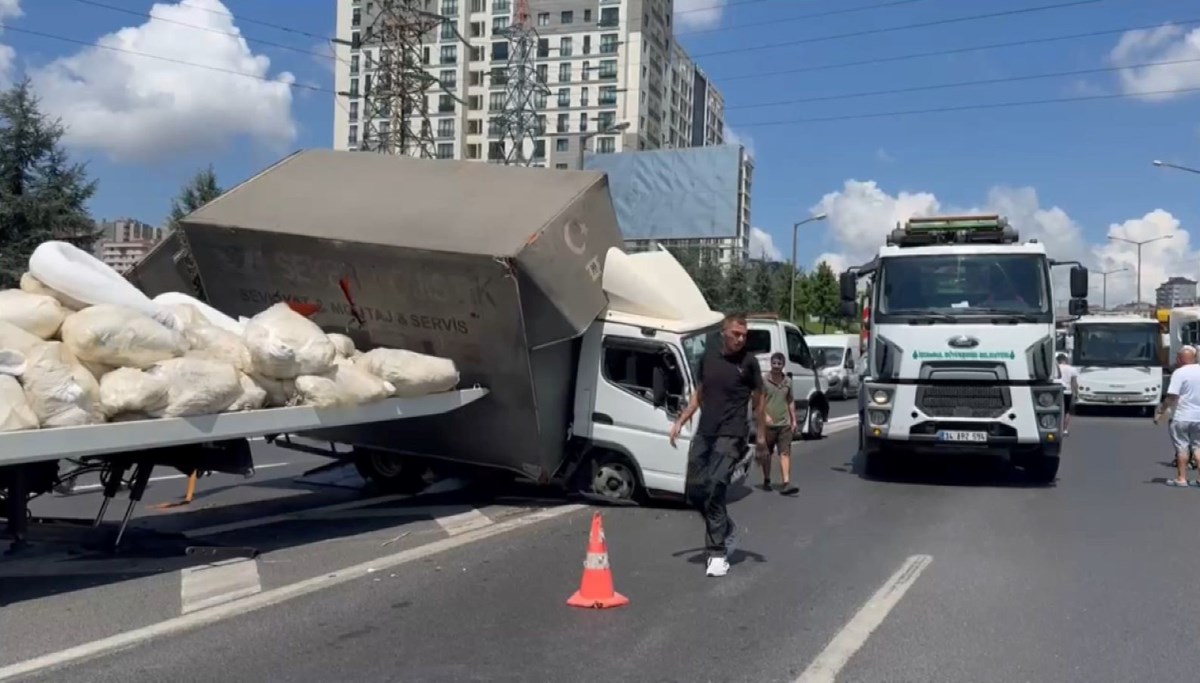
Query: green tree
{"points": [[710, 278], [200, 190], [43, 195], [823, 294], [737, 288], [763, 289]]}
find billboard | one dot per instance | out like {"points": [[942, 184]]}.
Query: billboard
{"points": [[674, 194]]}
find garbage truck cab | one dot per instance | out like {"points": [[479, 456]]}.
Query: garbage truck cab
{"points": [[961, 344]]}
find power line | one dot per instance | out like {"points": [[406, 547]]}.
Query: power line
{"points": [[198, 27], [161, 58], [800, 17], [962, 84], [257, 22], [905, 27], [725, 6], [968, 107], [947, 52]]}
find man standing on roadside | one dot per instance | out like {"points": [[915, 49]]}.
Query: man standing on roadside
{"points": [[781, 425], [1183, 397], [728, 381]]}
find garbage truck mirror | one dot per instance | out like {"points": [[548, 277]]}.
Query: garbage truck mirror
{"points": [[1079, 282], [848, 284], [1077, 307]]}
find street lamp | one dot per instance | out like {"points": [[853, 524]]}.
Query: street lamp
{"points": [[1163, 164], [1139, 245], [1104, 274], [792, 279], [584, 137]]}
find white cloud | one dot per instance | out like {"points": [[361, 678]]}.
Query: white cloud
{"points": [[762, 245], [698, 15], [9, 9], [136, 108], [1167, 43], [861, 215], [732, 137]]}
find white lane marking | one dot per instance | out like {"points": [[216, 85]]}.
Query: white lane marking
{"points": [[169, 477], [288, 516], [217, 583], [468, 520], [843, 418], [835, 656], [272, 597], [836, 427]]}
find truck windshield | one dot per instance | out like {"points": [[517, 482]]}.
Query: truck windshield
{"points": [[952, 285], [827, 356], [697, 343], [1116, 345]]}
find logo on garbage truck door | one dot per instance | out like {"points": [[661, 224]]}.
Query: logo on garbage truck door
{"points": [[575, 235]]}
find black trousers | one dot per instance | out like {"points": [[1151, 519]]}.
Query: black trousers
{"points": [[711, 460]]}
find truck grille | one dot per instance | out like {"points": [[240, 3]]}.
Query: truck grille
{"points": [[963, 401]]}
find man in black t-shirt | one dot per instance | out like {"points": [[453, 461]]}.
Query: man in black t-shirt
{"points": [[727, 382]]}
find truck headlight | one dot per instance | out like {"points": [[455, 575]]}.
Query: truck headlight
{"points": [[881, 397], [1048, 421], [1046, 399]]}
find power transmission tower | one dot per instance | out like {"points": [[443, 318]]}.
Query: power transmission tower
{"points": [[396, 86], [519, 120]]}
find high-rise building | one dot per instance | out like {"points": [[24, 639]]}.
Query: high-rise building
{"points": [[605, 63], [1176, 291], [125, 241], [708, 112]]}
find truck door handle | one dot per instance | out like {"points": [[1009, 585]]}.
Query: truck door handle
{"points": [[601, 418]]}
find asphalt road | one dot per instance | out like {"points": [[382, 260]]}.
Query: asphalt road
{"points": [[958, 571]]}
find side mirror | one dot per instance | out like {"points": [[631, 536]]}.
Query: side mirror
{"points": [[806, 359], [1077, 306], [1079, 282], [848, 309], [849, 364], [848, 284], [658, 392]]}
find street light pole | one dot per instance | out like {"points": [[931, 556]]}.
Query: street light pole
{"points": [[792, 278], [1177, 167], [584, 137], [1139, 244], [1104, 274]]}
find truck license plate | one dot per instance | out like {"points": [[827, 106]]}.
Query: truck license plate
{"points": [[960, 436]]}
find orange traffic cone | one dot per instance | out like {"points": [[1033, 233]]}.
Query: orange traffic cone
{"points": [[596, 586]]}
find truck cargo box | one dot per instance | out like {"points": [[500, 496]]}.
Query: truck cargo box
{"points": [[498, 268]]}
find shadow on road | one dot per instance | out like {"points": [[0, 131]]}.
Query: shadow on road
{"points": [[945, 470]]}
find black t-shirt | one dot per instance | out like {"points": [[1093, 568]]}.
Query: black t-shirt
{"points": [[727, 381]]}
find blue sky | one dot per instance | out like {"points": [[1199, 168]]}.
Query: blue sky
{"points": [[1066, 172]]}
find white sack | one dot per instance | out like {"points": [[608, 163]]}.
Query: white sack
{"points": [[37, 314], [253, 396], [15, 412], [174, 300], [343, 344], [13, 337], [120, 337], [214, 343], [281, 393], [345, 385], [86, 379], [31, 284], [413, 374], [12, 363], [68, 269], [128, 391], [284, 344], [54, 391], [196, 386]]}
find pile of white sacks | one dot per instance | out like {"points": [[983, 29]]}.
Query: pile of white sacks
{"points": [[81, 345]]}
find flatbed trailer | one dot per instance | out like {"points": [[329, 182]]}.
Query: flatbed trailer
{"points": [[213, 442]]}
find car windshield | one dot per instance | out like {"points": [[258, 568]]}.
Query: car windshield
{"points": [[694, 346], [1116, 344], [827, 356], [964, 284]]}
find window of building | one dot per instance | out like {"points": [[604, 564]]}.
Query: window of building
{"points": [[499, 24], [478, 29], [478, 5], [500, 6], [353, 87], [587, 45], [445, 150], [568, 17], [543, 73], [539, 100], [606, 145], [583, 121], [563, 125], [608, 68], [353, 137], [449, 79], [500, 51], [355, 40], [356, 17], [543, 47], [561, 167], [583, 97], [354, 65], [354, 111], [564, 47], [474, 102], [562, 145], [587, 15], [445, 104], [472, 151], [543, 19], [475, 77], [449, 8], [496, 101], [609, 43], [498, 76], [608, 95], [539, 149], [477, 52], [367, 85], [585, 72], [474, 126], [448, 32], [610, 16], [564, 72], [495, 151], [541, 124], [606, 120], [449, 54], [564, 97]]}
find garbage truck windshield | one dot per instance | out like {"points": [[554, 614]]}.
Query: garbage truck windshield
{"points": [[950, 287], [1116, 344]]}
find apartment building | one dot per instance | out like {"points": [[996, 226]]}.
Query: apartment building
{"points": [[606, 63], [1176, 291], [125, 241]]}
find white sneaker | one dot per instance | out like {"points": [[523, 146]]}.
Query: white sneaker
{"points": [[717, 566]]}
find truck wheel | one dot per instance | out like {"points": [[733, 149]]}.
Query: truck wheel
{"points": [[612, 477], [390, 472], [814, 423], [1042, 469]]}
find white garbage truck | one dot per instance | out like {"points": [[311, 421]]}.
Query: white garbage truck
{"points": [[1120, 361], [961, 344]]}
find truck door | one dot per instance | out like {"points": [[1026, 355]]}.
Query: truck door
{"points": [[800, 365], [628, 420]]}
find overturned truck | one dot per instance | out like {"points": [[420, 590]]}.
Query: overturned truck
{"points": [[501, 269]]}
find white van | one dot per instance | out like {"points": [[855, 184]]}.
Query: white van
{"points": [[838, 357]]}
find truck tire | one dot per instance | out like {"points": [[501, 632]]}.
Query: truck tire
{"points": [[611, 476], [390, 472], [814, 423], [1042, 469]]}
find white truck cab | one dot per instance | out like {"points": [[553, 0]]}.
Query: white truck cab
{"points": [[961, 346], [838, 359], [1118, 360], [767, 335]]}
